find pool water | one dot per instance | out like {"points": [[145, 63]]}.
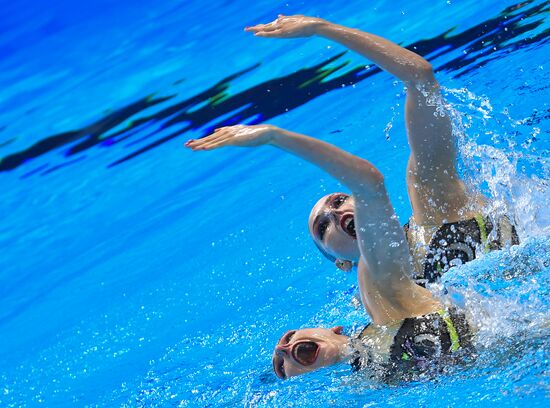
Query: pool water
{"points": [[138, 273]]}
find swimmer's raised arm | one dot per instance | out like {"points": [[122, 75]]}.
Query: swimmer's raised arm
{"points": [[357, 174], [398, 61], [386, 288], [435, 188]]}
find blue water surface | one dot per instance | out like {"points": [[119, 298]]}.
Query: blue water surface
{"points": [[138, 273]]}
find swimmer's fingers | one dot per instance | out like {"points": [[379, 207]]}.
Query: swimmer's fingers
{"points": [[208, 141], [273, 29], [238, 135], [287, 27], [217, 144], [200, 144], [263, 27], [273, 34], [220, 135], [223, 137], [228, 136]]}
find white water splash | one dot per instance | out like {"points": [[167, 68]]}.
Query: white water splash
{"points": [[505, 293], [513, 175]]}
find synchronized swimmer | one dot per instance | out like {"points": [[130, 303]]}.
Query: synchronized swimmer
{"points": [[448, 227]]}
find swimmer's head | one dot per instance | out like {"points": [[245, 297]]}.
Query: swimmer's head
{"points": [[302, 351], [332, 228]]}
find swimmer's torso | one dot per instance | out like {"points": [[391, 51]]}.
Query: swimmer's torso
{"points": [[413, 343], [435, 249]]}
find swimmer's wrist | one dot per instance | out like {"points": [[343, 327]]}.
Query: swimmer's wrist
{"points": [[277, 135], [322, 27]]}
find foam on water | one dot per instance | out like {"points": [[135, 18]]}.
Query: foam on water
{"points": [[513, 175]]}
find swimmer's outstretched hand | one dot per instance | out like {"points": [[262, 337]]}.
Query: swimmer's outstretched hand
{"points": [[287, 27], [239, 135]]}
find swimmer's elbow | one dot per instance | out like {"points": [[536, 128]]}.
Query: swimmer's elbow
{"points": [[370, 174], [424, 72], [377, 176]]}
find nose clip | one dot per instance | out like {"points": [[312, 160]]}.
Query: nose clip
{"points": [[335, 215], [281, 350]]}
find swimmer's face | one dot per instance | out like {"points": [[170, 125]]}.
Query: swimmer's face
{"points": [[302, 351], [332, 226]]}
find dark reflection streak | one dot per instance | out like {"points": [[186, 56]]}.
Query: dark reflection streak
{"points": [[92, 132], [215, 91], [484, 39], [67, 163], [149, 147], [6, 142], [277, 96], [113, 120], [34, 171], [485, 42], [171, 110], [139, 140], [266, 101], [123, 135], [539, 38]]}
